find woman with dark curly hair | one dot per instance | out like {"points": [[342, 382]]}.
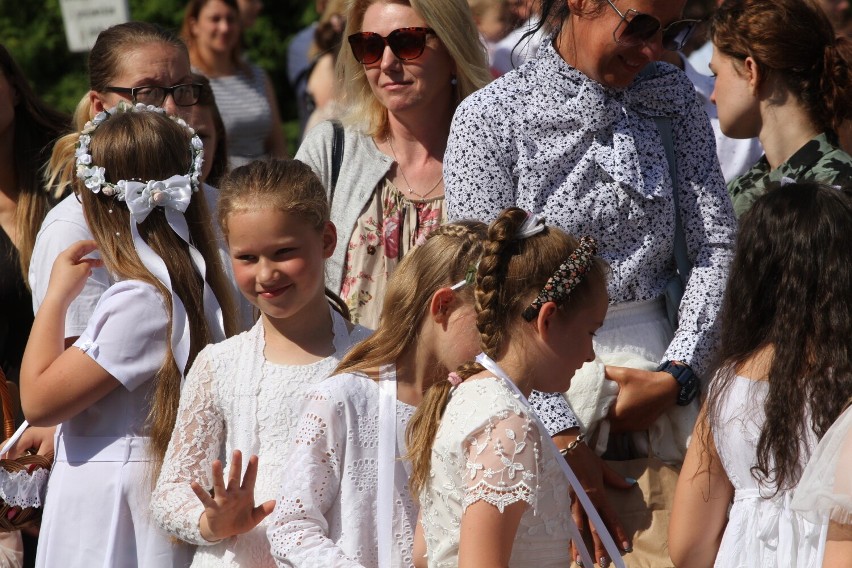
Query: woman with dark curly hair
{"points": [[784, 376]]}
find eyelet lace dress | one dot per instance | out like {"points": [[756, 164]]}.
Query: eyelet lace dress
{"points": [[489, 448], [763, 531], [234, 399], [326, 513]]}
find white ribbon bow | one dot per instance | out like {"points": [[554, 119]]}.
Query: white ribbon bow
{"points": [[173, 193], [533, 225]]}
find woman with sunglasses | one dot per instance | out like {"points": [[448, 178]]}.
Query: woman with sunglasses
{"points": [[782, 75], [244, 94], [404, 68], [572, 135]]}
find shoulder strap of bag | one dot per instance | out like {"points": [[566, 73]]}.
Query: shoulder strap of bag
{"points": [[337, 142], [664, 126]]}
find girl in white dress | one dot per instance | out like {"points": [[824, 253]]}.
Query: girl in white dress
{"points": [[243, 395], [114, 393], [784, 377], [491, 488], [333, 498]]}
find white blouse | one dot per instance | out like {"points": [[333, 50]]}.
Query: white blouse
{"points": [[489, 448], [326, 511], [590, 158], [234, 399]]}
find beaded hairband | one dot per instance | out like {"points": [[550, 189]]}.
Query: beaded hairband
{"points": [[569, 274]]}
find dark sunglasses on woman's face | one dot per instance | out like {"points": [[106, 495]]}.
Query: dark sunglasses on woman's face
{"points": [[405, 43], [636, 28]]}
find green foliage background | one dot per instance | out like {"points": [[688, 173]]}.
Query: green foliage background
{"points": [[32, 31]]}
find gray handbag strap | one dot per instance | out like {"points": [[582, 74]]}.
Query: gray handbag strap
{"points": [[664, 126]]}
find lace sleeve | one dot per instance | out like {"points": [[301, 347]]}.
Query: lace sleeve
{"points": [[196, 442], [298, 533], [502, 461]]}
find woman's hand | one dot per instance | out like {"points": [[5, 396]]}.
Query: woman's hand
{"points": [[642, 397], [70, 271], [231, 511], [593, 474], [35, 438]]}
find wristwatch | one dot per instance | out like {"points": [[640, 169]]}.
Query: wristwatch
{"points": [[685, 378]]}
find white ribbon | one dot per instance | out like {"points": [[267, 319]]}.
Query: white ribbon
{"points": [[533, 225], [591, 512], [173, 193], [387, 464]]}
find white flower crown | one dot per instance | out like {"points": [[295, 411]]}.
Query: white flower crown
{"points": [[93, 176]]}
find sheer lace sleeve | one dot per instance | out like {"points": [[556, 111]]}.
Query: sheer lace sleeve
{"points": [[825, 487], [197, 440], [298, 534], [502, 461]]}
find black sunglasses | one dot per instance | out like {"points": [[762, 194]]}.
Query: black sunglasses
{"points": [[183, 95], [636, 28], [405, 43]]}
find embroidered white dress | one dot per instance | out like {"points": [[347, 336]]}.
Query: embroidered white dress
{"points": [[98, 497], [326, 511], [489, 448], [761, 532], [234, 399]]}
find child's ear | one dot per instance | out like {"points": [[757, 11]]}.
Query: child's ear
{"points": [[329, 239], [441, 305], [544, 321]]}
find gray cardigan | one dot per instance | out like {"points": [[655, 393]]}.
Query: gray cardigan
{"points": [[362, 168]]}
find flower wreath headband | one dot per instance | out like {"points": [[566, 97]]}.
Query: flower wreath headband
{"points": [[173, 195]]}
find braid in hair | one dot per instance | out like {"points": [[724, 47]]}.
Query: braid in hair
{"points": [[835, 83]]}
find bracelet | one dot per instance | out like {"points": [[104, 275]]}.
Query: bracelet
{"points": [[581, 439]]}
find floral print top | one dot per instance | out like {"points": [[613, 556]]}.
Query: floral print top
{"points": [[389, 227]]}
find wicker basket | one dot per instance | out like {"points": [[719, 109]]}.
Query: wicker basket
{"points": [[29, 462]]}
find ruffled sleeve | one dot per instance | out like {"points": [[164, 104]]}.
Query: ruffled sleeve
{"points": [[197, 440], [502, 461], [127, 334], [825, 487]]}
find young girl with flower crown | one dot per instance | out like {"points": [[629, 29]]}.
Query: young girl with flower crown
{"points": [[491, 486], [243, 395], [344, 497], [115, 393]]}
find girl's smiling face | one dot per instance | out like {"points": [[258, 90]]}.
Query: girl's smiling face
{"points": [[278, 259]]}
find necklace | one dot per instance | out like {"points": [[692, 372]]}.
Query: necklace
{"points": [[405, 179]]}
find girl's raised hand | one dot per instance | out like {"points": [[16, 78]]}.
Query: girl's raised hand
{"points": [[231, 511], [70, 271]]}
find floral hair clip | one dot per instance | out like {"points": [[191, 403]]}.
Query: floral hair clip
{"points": [[569, 274], [94, 177]]}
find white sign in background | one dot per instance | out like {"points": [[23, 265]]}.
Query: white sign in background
{"points": [[85, 19]]}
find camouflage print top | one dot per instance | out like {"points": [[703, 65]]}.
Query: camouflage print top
{"points": [[818, 160]]}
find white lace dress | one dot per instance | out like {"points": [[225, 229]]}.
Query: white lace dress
{"points": [[761, 532], [489, 448], [326, 511], [235, 399]]}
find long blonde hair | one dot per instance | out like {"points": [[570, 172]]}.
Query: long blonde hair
{"points": [[107, 60], [148, 145], [510, 274], [443, 260], [453, 25]]}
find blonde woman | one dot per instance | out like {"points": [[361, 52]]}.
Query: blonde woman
{"points": [[406, 66]]}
